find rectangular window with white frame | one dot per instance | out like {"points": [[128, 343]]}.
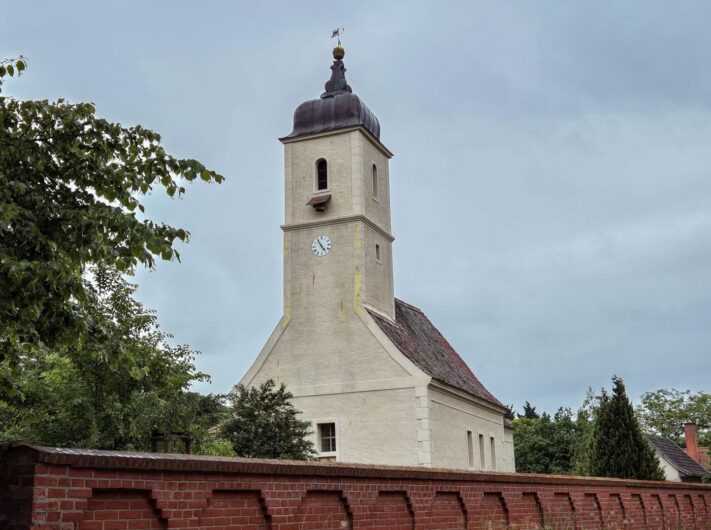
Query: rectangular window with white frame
{"points": [[326, 438]]}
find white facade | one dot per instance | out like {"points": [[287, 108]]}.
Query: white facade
{"points": [[344, 372], [670, 472]]}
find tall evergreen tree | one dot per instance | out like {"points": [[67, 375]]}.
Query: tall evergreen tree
{"points": [[529, 412], [618, 447]]}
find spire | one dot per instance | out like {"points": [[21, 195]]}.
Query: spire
{"points": [[337, 84]]}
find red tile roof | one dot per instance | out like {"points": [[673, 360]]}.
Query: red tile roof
{"points": [[417, 338]]}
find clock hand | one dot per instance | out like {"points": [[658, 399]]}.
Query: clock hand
{"points": [[320, 245]]}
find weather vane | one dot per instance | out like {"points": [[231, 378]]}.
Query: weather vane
{"points": [[337, 33]]}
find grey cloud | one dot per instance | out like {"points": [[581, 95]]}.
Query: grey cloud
{"points": [[551, 189]]}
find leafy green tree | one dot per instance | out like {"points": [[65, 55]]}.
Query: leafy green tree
{"points": [[264, 424], [203, 415], [584, 421], [546, 445], [111, 391], [618, 447], [529, 412], [665, 411], [71, 186], [10, 67]]}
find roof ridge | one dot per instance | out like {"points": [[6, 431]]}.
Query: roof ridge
{"points": [[409, 305]]}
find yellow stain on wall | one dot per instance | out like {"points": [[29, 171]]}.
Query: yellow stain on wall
{"points": [[287, 277], [358, 274]]}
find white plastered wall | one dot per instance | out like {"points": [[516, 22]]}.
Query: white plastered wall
{"points": [[326, 349], [670, 472], [452, 415], [373, 427], [509, 454], [355, 378]]}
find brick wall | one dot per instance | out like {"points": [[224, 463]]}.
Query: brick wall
{"points": [[64, 489]]}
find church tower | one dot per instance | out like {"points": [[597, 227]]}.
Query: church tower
{"points": [[367, 370], [337, 228]]}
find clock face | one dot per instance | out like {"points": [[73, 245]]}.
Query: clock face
{"points": [[321, 246]]}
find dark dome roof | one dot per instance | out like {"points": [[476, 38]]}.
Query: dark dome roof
{"points": [[337, 108], [331, 113]]}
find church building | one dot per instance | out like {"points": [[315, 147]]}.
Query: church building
{"points": [[377, 380]]}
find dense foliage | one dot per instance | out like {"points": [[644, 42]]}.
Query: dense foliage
{"points": [[114, 390], [665, 411], [617, 446], [82, 363], [603, 438], [510, 413], [71, 186], [550, 445], [529, 412], [264, 424]]}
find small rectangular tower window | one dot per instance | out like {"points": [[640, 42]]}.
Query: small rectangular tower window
{"points": [[482, 455], [492, 441], [377, 253], [327, 437], [375, 182], [470, 448]]}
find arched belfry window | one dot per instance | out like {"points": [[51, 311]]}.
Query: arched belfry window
{"points": [[375, 182], [321, 175]]}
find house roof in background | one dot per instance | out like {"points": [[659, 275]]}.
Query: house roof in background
{"points": [[677, 457], [421, 342]]}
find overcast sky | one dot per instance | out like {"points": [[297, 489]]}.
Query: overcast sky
{"points": [[551, 185]]}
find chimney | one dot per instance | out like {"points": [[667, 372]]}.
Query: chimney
{"points": [[692, 446]]}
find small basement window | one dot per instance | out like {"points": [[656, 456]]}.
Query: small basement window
{"points": [[321, 175], [327, 437]]}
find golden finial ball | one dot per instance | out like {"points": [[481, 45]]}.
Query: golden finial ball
{"points": [[339, 53]]}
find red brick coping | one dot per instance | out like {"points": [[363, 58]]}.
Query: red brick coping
{"points": [[44, 488]]}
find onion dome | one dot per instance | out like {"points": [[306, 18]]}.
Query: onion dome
{"points": [[337, 108]]}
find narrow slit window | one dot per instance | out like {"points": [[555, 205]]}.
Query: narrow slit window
{"points": [[470, 448], [327, 437], [377, 252], [321, 175], [492, 441], [482, 456], [375, 183]]}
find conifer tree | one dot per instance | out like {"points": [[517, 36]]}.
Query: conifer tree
{"points": [[618, 447], [529, 412]]}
